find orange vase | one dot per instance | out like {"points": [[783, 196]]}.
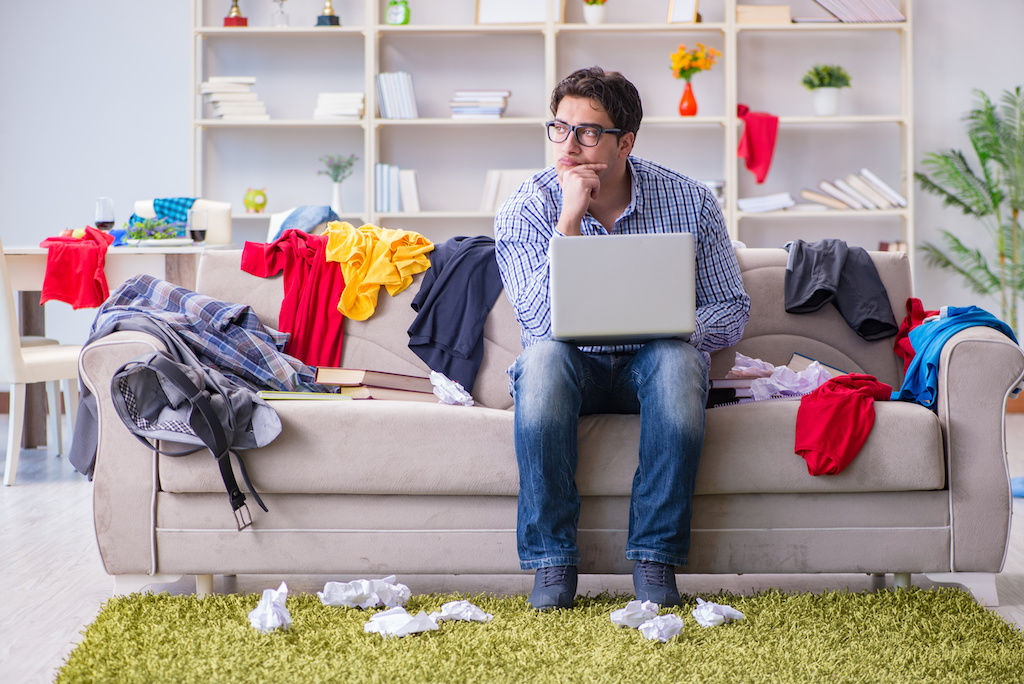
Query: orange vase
{"points": [[687, 103]]}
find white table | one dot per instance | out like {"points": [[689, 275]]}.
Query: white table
{"points": [[27, 267]]}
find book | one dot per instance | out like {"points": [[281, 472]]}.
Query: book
{"points": [[862, 186], [351, 377], [774, 202], [276, 395], [855, 193], [394, 198], [367, 392], [762, 14], [409, 191], [838, 194], [730, 383], [815, 196], [883, 187], [799, 362]]}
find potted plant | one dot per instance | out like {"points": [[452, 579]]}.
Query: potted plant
{"points": [[338, 168], [593, 11], [994, 196], [686, 63], [825, 80]]}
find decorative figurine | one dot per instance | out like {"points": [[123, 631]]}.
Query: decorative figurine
{"points": [[398, 13], [235, 17], [255, 200], [327, 16], [280, 17]]}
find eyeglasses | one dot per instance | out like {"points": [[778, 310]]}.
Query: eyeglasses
{"points": [[587, 135]]}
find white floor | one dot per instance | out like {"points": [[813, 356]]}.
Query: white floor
{"points": [[55, 583]]}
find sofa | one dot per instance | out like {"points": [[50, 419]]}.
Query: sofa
{"points": [[370, 488]]}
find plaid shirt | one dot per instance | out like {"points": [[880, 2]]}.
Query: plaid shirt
{"points": [[226, 336], [661, 201]]}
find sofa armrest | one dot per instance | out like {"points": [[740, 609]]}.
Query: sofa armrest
{"points": [[978, 368], [124, 479]]}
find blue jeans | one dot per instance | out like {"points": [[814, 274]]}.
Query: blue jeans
{"points": [[554, 383]]}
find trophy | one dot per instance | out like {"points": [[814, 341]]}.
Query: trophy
{"points": [[327, 16], [235, 17]]}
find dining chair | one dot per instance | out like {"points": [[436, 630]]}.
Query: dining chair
{"points": [[35, 360]]}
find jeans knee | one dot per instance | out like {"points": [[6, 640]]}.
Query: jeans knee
{"points": [[546, 375]]}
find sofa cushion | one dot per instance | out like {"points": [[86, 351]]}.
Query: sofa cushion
{"points": [[384, 447]]}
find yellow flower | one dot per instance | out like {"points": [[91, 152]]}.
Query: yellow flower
{"points": [[686, 62]]}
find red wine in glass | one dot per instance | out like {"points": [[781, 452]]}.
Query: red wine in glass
{"points": [[104, 225]]}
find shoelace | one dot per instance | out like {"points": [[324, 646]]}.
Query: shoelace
{"points": [[554, 575], [654, 573]]}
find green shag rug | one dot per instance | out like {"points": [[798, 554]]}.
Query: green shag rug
{"points": [[913, 635]]}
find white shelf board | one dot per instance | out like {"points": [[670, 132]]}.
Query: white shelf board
{"points": [[279, 123], [264, 31], [850, 119], [710, 27], [447, 121], [807, 213], [461, 28], [826, 26], [684, 120]]}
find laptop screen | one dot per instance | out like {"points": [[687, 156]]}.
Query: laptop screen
{"points": [[615, 289]]}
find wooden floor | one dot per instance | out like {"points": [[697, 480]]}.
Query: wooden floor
{"points": [[55, 584]]}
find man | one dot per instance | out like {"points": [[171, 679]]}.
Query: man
{"points": [[596, 188]]}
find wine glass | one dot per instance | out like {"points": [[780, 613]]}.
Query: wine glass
{"points": [[104, 217], [197, 221]]}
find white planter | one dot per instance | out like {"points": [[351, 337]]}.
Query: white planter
{"points": [[336, 198], [826, 101], [593, 14]]}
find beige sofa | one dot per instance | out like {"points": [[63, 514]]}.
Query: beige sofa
{"points": [[375, 487]]}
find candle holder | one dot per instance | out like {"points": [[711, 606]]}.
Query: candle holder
{"points": [[327, 16], [235, 17]]}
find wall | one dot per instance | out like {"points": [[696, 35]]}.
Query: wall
{"points": [[96, 103]]}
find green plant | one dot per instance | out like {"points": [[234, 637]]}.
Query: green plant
{"points": [[995, 198], [337, 167], [153, 229], [826, 76], [594, 2]]}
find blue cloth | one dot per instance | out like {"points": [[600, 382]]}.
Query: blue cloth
{"points": [[120, 236], [1017, 487], [658, 382], [661, 201], [456, 294], [920, 384], [228, 337], [306, 218]]}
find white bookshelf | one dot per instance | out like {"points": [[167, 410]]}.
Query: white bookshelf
{"points": [[444, 50]]}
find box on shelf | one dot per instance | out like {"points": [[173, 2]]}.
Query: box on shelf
{"points": [[762, 14]]}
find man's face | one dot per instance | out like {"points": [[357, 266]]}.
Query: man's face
{"points": [[609, 150]]}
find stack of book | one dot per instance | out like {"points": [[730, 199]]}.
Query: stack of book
{"points": [[780, 200], [474, 104], [863, 190], [858, 11], [232, 97], [395, 95], [360, 383], [395, 189], [339, 106]]}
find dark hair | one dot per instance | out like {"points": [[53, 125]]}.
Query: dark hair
{"points": [[610, 89]]}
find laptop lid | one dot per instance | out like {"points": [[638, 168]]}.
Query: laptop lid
{"points": [[613, 289]]}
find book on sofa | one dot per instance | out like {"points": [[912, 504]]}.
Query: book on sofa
{"points": [[352, 377], [367, 392], [280, 395]]}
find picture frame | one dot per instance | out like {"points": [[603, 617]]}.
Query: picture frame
{"points": [[682, 11], [511, 12]]}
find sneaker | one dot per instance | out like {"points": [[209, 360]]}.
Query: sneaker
{"points": [[655, 582], [554, 587]]}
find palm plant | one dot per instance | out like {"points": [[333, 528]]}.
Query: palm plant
{"points": [[994, 196]]}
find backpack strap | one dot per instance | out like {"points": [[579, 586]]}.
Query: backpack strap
{"points": [[208, 428]]}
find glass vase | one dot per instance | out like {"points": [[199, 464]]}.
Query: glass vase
{"points": [[687, 103]]}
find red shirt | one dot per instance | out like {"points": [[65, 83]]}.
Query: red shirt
{"points": [[312, 289], [74, 269]]}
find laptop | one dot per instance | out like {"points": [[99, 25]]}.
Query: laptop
{"points": [[616, 289]]}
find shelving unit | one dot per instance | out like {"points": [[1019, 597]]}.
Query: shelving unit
{"points": [[444, 50]]}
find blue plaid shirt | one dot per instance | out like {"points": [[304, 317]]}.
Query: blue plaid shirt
{"points": [[226, 336], [661, 201]]}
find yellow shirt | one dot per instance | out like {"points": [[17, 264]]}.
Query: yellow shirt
{"points": [[370, 256]]}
